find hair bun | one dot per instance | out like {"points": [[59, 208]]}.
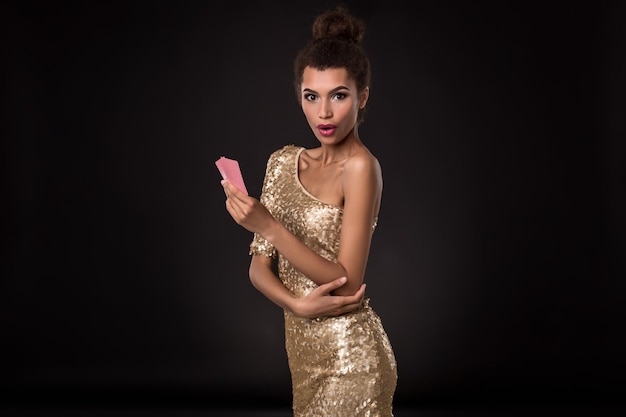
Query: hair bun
{"points": [[339, 23]]}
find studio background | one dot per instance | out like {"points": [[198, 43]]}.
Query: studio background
{"points": [[498, 263]]}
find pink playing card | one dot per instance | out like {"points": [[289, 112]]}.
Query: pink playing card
{"points": [[229, 168]]}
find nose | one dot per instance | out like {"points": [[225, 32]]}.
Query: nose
{"points": [[325, 111]]}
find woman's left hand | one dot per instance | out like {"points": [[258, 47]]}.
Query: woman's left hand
{"points": [[247, 211]]}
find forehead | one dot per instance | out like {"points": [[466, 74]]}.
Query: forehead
{"points": [[326, 79]]}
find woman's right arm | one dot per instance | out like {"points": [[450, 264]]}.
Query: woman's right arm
{"points": [[318, 303]]}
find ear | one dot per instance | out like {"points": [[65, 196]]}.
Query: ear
{"points": [[363, 97]]}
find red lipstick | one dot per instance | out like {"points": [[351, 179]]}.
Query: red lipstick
{"points": [[326, 129]]}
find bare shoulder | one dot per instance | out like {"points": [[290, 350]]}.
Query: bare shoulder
{"points": [[363, 181], [362, 162]]}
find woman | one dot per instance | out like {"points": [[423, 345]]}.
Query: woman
{"points": [[315, 218]]}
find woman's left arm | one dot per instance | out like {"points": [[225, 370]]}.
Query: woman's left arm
{"points": [[362, 185]]}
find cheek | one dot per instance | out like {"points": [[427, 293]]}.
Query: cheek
{"points": [[350, 110]]}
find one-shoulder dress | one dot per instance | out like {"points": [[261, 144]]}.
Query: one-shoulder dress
{"points": [[340, 366]]}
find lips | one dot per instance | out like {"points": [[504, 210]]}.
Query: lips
{"points": [[326, 130]]}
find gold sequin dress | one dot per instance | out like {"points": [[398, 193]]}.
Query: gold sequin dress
{"points": [[340, 366]]}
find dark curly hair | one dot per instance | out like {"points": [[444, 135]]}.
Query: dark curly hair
{"points": [[336, 43]]}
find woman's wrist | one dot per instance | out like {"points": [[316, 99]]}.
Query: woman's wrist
{"points": [[293, 305], [270, 231]]}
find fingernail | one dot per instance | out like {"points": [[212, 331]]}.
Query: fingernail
{"points": [[342, 279], [223, 182]]}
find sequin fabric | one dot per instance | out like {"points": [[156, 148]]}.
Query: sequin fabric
{"points": [[340, 366]]}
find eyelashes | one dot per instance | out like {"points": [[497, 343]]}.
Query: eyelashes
{"points": [[333, 97]]}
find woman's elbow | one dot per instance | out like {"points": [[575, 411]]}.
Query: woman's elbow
{"points": [[252, 275], [351, 287]]}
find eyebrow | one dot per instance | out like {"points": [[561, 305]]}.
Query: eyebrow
{"points": [[334, 90]]}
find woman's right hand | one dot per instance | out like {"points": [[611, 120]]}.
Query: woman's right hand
{"points": [[320, 302], [247, 211]]}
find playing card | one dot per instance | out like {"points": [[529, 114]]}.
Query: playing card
{"points": [[229, 168]]}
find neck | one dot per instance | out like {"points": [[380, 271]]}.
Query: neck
{"points": [[342, 150]]}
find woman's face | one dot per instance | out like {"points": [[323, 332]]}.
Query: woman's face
{"points": [[330, 101]]}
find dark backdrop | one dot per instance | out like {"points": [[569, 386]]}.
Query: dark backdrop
{"points": [[499, 262]]}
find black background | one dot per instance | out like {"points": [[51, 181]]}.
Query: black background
{"points": [[498, 264]]}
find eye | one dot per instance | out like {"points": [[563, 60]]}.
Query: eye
{"points": [[339, 96], [310, 97]]}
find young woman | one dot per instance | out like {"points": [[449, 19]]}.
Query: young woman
{"points": [[316, 215]]}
